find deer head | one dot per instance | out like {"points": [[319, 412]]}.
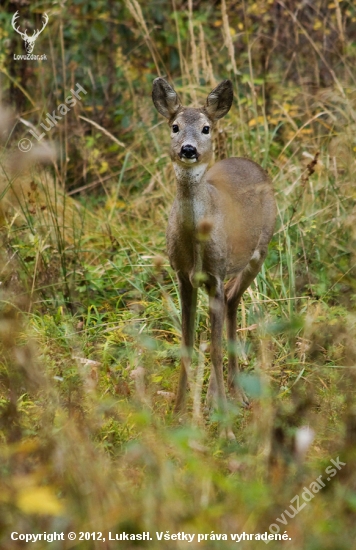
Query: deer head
{"points": [[191, 141], [29, 40]]}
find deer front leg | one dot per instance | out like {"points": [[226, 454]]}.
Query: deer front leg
{"points": [[188, 298], [216, 390]]}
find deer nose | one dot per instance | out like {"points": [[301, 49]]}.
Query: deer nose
{"points": [[189, 152]]}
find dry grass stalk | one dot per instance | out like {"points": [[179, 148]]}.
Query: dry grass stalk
{"points": [[194, 55], [135, 9], [227, 36]]}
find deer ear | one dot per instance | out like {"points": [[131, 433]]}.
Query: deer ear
{"points": [[219, 101], [165, 98]]}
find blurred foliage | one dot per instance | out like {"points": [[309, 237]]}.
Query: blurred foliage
{"points": [[89, 313]]}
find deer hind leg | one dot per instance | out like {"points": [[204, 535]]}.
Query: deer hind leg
{"points": [[233, 293], [188, 297], [232, 299]]}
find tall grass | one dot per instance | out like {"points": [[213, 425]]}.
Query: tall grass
{"points": [[90, 323]]}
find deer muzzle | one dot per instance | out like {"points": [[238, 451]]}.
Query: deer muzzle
{"points": [[188, 153]]}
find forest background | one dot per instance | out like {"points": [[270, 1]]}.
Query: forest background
{"points": [[89, 310]]}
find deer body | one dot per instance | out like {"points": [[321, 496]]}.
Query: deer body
{"points": [[219, 227], [235, 195]]}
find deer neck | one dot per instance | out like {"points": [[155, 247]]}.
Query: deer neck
{"points": [[192, 193]]}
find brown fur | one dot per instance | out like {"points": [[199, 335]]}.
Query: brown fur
{"points": [[235, 204]]}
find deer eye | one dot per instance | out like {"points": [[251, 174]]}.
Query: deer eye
{"points": [[175, 128], [206, 130]]}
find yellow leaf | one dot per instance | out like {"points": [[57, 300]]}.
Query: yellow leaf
{"points": [[255, 121], [39, 500], [26, 446], [104, 167], [111, 203], [283, 159]]}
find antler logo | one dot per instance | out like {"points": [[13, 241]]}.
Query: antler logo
{"points": [[29, 40]]}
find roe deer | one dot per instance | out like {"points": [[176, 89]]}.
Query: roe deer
{"points": [[219, 227]]}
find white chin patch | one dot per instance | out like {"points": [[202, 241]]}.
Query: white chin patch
{"points": [[188, 161]]}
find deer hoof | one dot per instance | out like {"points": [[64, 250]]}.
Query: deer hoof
{"points": [[228, 434], [239, 395]]}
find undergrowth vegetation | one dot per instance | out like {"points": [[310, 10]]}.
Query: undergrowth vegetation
{"points": [[89, 309]]}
